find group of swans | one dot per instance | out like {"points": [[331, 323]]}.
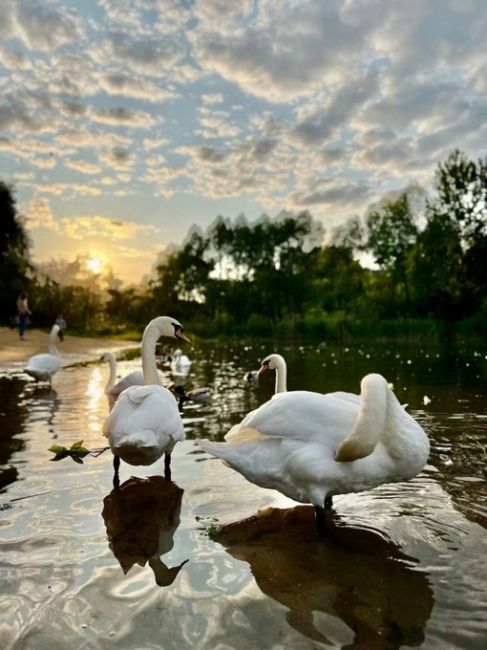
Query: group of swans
{"points": [[309, 446]]}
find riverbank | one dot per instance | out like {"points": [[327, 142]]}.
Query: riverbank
{"points": [[74, 349]]}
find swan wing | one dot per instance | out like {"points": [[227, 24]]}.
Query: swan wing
{"points": [[300, 415], [45, 363], [135, 378], [145, 408]]}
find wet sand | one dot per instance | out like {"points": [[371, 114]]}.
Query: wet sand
{"points": [[14, 352]]}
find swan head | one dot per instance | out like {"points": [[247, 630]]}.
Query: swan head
{"points": [[56, 331], [271, 362], [169, 327], [106, 356]]}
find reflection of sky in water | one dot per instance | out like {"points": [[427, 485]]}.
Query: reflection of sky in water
{"points": [[62, 582]]}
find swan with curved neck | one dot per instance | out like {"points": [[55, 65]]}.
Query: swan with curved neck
{"points": [[112, 388], [43, 366], [145, 422], [311, 446], [276, 362]]}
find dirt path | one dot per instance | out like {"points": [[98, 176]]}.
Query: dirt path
{"points": [[74, 349]]}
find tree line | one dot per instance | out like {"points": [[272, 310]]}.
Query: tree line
{"points": [[285, 275]]}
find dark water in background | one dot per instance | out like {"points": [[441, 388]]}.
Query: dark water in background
{"points": [[404, 567]]}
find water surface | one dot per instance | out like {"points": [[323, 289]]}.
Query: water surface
{"points": [[84, 566]]}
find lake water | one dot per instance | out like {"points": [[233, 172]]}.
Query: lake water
{"points": [[84, 566]]}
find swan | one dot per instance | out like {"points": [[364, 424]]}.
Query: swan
{"points": [[197, 395], [276, 362], [43, 366], [311, 446], [180, 363], [145, 422], [112, 389]]}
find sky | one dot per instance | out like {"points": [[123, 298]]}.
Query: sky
{"points": [[124, 122]]}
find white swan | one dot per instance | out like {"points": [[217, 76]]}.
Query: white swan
{"points": [[180, 363], [276, 362], [311, 446], [112, 389], [43, 366], [145, 421]]}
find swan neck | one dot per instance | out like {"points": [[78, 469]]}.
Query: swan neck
{"points": [[281, 377], [113, 373], [148, 354], [52, 343]]}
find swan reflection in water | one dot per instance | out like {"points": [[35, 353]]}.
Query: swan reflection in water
{"points": [[356, 576], [141, 517]]}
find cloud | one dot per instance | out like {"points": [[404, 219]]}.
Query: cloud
{"points": [[118, 158], [83, 166], [326, 192], [288, 50], [121, 116], [38, 213], [124, 85], [99, 226], [45, 26], [146, 55]]}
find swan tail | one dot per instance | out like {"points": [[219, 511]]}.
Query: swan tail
{"points": [[370, 422], [221, 450], [139, 447]]}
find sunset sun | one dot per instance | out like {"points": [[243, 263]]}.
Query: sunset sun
{"points": [[95, 263]]}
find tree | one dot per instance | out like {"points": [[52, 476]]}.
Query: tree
{"points": [[461, 185], [391, 231], [14, 251]]}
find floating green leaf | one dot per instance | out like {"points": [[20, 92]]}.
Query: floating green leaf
{"points": [[56, 449], [77, 445]]}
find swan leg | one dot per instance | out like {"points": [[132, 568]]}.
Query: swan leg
{"points": [[320, 521], [320, 514], [116, 467], [167, 466]]}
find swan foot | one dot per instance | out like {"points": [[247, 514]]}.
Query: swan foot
{"points": [[116, 467], [167, 466]]}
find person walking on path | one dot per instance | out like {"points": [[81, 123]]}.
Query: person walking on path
{"points": [[23, 312]]}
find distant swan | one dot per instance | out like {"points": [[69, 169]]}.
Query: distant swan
{"points": [[311, 446], [43, 366], [145, 421], [112, 389], [180, 363]]}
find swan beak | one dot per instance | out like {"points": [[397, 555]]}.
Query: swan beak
{"points": [[181, 335], [262, 369]]}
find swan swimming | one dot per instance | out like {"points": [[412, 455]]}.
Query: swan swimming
{"points": [[43, 366], [197, 395], [180, 363], [145, 422], [311, 446]]}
